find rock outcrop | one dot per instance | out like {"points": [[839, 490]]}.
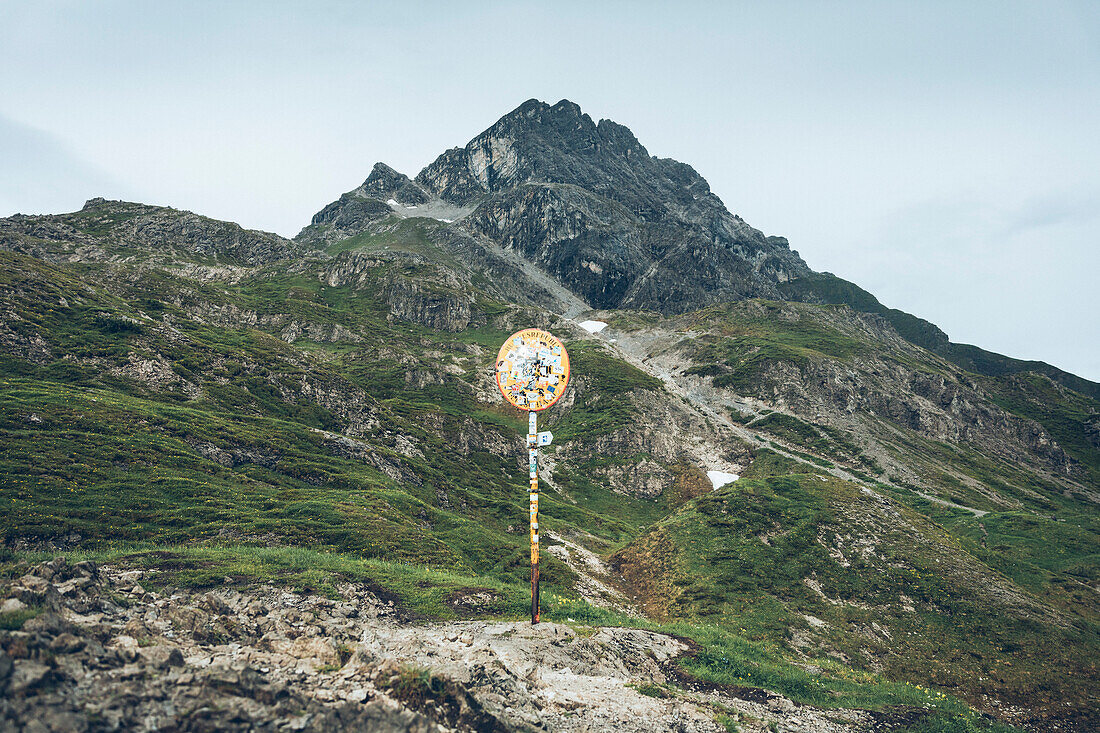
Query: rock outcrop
{"points": [[355, 210], [586, 203], [118, 230], [99, 652]]}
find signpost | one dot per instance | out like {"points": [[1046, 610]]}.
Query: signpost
{"points": [[532, 373]]}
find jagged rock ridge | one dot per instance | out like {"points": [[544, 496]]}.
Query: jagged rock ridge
{"points": [[587, 203]]}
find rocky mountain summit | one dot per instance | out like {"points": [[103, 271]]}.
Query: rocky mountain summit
{"points": [[589, 205], [137, 232]]}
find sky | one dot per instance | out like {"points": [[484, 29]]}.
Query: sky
{"points": [[944, 156]]}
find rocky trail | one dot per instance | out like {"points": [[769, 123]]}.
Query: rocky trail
{"points": [[647, 350], [943, 502], [103, 653], [650, 351]]}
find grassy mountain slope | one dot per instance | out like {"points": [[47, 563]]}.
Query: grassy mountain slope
{"points": [[840, 573], [186, 408], [825, 287], [960, 546]]}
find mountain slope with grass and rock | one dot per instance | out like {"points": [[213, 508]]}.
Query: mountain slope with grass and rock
{"points": [[258, 482]]}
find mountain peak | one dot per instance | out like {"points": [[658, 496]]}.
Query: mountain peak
{"points": [[586, 202], [381, 171], [385, 183], [540, 142], [537, 109], [566, 123]]}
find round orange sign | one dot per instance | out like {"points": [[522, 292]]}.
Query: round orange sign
{"points": [[532, 369]]}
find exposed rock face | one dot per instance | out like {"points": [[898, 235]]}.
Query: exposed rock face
{"points": [[586, 203], [561, 144], [209, 238], [636, 231], [106, 654], [385, 183], [434, 299], [886, 379], [414, 289], [587, 242], [187, 661], [356, 209], [662, 452], [344, 218], [932, 405]]}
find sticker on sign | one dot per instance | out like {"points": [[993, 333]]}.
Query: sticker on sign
{"points": [[532, 369]]}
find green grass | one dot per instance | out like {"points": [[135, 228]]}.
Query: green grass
{"points": [[766, 462], [419, 591], [581, 499], [606, 405], [417, 236], [740, 557], [113, 460], [14, 620], [820, 439], [741, 344], [651, 690], [1006, 484], [1070, 417], [1055, 558], [728, 723], [827, 288], [113, 467]]}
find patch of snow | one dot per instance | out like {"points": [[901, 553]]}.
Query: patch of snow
{"points": [[411, 207], [720, 478], [446, 221], [593, 326], [391, 202]]}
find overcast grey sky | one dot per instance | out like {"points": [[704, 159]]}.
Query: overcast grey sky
{"points": [[945, 156]]}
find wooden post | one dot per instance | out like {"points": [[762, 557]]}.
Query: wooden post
{"points": [[533, 457]]}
